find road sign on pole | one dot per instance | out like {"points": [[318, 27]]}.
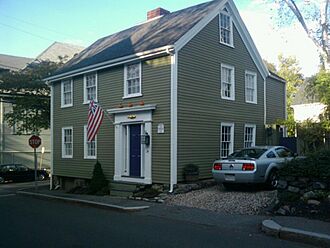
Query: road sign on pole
{"points": [[35, 142]]}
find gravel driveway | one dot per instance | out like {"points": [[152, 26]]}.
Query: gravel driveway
{"points": [[216, 198]]}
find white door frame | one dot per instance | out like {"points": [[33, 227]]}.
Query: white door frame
{"points": [[123, 117]]}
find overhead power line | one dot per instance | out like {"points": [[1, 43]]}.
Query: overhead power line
{"points": [[24, 31], [36, 25]]}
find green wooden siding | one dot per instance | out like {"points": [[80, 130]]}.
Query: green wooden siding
{"points": [[275, 100], [156, 74], [200, 107]]}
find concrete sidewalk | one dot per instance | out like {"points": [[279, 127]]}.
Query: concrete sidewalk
{"points": [[107, 202], [298, 229]]}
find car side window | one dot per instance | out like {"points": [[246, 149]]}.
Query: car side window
{"points": [[271, 155], [283, 153], [22, 168], [8, 168]]}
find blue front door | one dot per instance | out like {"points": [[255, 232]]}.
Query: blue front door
{"points": [[135, 150]]}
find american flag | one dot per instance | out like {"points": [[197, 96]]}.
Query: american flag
{"points": [[95, 117]]}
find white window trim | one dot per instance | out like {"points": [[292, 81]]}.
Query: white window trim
{"points": [[62, 94], [86, 147], [85, 91], [254, 133], [255, 87], [231, 37], [232, 133], [232, 68], [126, 95], [63, 149]]}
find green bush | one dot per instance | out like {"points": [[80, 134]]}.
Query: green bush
{"points": [[316, 165], [99, 184]]}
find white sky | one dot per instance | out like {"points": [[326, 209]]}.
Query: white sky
{"points": [[271, 40]]}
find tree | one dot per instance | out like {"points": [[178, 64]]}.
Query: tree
{"points": [[313, 16], [290, 70], [270, 66], [319, 85], [29, 95]]}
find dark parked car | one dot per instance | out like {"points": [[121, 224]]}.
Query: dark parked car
{"points": [[19, 172], [252, 165]]}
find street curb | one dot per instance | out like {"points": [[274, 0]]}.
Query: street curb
{"points": [[84, 202], [272, 228]]}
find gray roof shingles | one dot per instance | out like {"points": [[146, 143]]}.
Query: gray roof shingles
{"points": [[149, 35]]}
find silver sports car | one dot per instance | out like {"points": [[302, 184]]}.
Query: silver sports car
{"points": [[258, 164]]}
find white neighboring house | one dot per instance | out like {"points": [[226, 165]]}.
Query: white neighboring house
{"points": [[305, 111]]}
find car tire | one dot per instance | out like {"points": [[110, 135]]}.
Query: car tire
{"points": [[272, 180], [41, 177]]}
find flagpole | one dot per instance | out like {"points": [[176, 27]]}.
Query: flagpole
{"points": [[106, 113]]}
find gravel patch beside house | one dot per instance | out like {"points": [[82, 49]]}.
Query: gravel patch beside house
{"points": [[217, 199]]}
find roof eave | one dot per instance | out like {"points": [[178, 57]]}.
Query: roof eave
{"points": [[111, 63]]}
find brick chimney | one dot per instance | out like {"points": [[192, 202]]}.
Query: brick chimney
{"points": [[156, 13]]}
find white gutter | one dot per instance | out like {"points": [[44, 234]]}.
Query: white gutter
{"points": [[174, 93], [110, 63]]}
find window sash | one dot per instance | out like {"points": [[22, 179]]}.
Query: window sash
{"points": [[225, 29], [66, 93], [90, 87], [133, 79], [249, 136], [250, 87], [227, 82], [90, 147], [67, 142], [226, 146]]}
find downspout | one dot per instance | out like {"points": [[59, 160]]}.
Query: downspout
{"points": [[174, 89], [51, 136], [2, 140]]}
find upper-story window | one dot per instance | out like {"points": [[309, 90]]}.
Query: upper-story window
{"points": [[226, 29], [132, 78], [250, 87], [66, 93], [227, 82], [90, 87]]}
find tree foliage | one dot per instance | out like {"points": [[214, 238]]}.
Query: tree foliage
{"points": [[319, 85], [313, 16], [29, 95]]}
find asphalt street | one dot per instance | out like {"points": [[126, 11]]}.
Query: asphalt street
{"points": [[30, 222]]}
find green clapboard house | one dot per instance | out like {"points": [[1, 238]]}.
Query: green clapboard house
{"points": [[183, 87]]}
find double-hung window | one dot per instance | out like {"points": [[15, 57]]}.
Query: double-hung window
{"points": [[90, 147], [132, 80], [249, 135], [226, 139], [226, 29], [66, 93], [67, 142], [227, 82], [90, 87], [250, 87]]}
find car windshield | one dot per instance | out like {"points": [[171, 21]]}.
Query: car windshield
{"points": [[248, 153]]}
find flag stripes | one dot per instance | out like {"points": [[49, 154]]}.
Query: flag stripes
{"points": [[95, 117]]}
